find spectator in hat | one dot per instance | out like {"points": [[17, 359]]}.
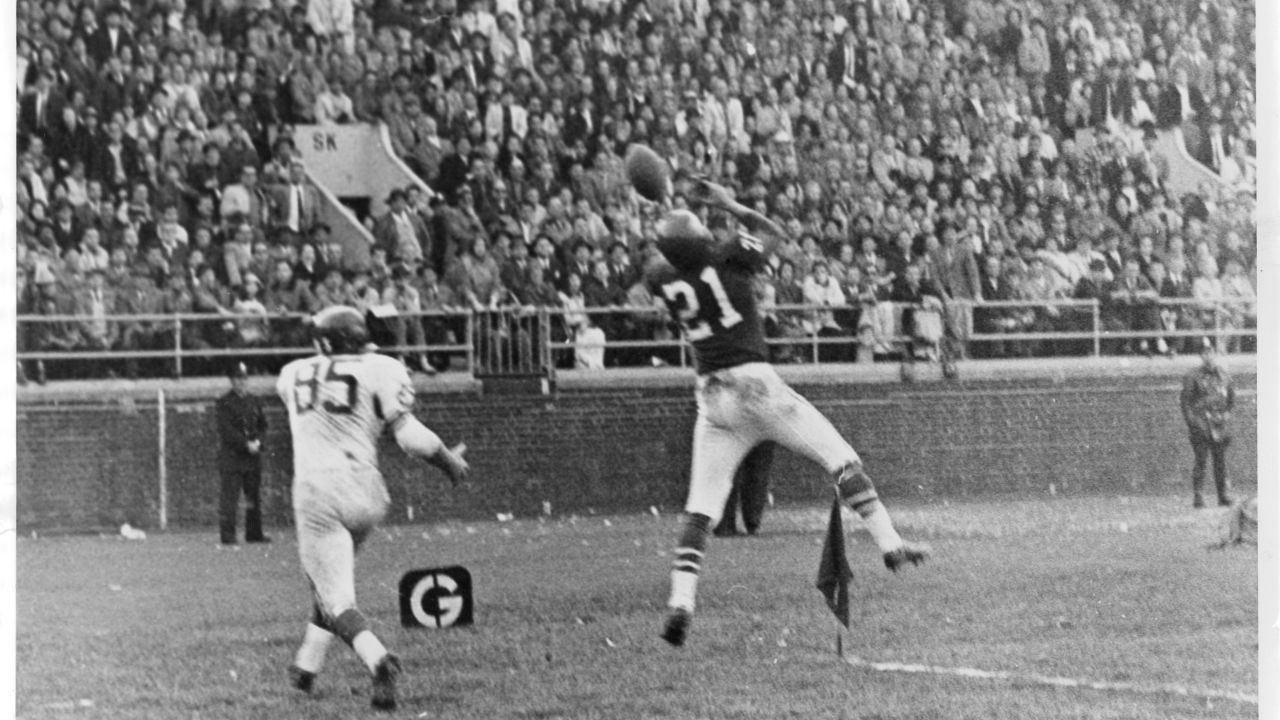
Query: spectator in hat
{"points": [[242, 425], [400, 232]]}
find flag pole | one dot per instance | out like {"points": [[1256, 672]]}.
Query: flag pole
{"points": [[834, 572]]}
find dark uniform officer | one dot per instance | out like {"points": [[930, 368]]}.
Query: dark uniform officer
{"points": [[750, 492], [1207, 400], [241, 425]]}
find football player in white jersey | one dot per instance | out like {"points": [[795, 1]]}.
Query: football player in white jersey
{"points": [[339, 403]]}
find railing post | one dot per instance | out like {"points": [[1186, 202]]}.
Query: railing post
{"points": [[1095, 310], [162, 432], [471, 341], [177, 347], [1217, 327], [544, 341]]}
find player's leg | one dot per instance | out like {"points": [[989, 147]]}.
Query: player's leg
{"points": [[728, 524], [327, 550], [251, 478], [309, 659], [791, 420], [1200, 447], [1219, 453], [717, 451], [329, 561], [755, 485], [228, 502]]}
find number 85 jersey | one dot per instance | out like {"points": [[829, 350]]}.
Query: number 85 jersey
{"points": [[709, 289], [338, 407]]}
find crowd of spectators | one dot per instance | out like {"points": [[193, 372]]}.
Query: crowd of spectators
{"points": [[921, 152]]}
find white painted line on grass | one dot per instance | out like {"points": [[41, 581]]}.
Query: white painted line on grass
{"points": [[1050, 681]]}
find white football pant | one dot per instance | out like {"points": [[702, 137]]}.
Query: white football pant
{"points": [[334, 512], [740, 407]]}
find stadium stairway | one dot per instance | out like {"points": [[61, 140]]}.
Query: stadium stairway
{"points": [[1186, 174], [356, 164]]}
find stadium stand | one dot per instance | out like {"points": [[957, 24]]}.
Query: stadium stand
{"points": [[998, 178]]}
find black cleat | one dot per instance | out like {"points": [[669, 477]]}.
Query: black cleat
{"points": [[263, 539], [912, 553], [300, 679], [384, 683], [677, 626]]}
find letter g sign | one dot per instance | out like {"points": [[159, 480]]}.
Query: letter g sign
{"points": [[436, 598]]}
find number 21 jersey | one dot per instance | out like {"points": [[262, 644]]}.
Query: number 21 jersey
{"points": [[338, 407], [710, 289]]}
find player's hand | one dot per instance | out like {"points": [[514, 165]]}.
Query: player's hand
{"points": [[254, 446], [715, 194], [454, 463], [914, 553]]}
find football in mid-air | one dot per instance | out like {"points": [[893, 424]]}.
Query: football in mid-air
{"points": [[647, 172]]}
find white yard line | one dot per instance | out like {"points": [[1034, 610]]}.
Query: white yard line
{"points": [[1051, 681]]}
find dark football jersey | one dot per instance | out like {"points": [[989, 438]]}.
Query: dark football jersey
{"points": [[709, 289]]}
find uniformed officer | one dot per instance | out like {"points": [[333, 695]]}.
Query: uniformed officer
{"points": [[1207, 400], [241, 425]]}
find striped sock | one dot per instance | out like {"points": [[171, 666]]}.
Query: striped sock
{"points": [[315, 643], [688, 563], [353, 628], [859, 493]]}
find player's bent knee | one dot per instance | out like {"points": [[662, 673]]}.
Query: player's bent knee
{"points": [[856, 488]]}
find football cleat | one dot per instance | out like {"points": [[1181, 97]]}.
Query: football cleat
{"points": [[677, 626], [300, 679], [912, 553], [384, 683]]}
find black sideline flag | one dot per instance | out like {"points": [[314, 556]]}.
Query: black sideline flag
{"points": [[834, 572]]}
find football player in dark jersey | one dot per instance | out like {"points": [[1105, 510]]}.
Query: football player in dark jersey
{"points": [[707, 286]]}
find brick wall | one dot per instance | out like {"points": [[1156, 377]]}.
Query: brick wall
{"points": [[91, 462]]}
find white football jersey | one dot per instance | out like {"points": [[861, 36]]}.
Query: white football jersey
{"points": [[339, 405]]}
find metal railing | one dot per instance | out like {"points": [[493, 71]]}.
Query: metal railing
{"points": [[533, 340], [182, 337]]}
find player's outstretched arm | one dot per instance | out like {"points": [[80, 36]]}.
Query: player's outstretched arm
{"points": [[453, 463], [767, 231], [416, 439]]}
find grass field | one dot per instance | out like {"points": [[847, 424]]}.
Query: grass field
{"points": [[568, 611]]}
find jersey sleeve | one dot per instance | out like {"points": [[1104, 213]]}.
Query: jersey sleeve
{"points": [[284, 384], [393, 394]]}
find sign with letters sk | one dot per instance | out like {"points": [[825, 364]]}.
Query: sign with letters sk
{"points": [[436, 598]]}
